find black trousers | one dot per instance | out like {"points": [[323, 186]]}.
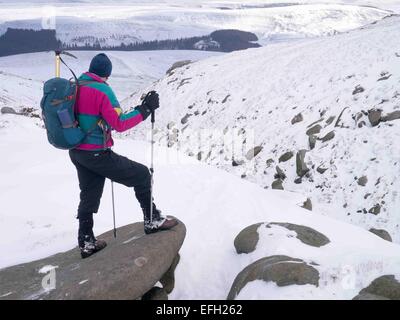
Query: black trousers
{"points": [[94, 167]]}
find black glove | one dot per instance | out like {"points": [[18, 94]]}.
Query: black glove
{"points": [[149, 104]]}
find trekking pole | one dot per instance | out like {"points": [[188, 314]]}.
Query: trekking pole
{"points": [[153, 120], [113, 207]]}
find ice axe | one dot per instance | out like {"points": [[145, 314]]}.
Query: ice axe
{"points": [[58, 54]]}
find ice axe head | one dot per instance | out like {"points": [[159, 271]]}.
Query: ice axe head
{"points": [[66, 53], [58, 54]]}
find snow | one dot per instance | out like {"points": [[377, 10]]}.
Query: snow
{"points": [[21, 83], [268, 87], [131, 22], [263, 89], [6, 294], [260, 290], [39, 196]]}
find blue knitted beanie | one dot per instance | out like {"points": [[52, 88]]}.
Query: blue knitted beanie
{"points": [[101, 65]]}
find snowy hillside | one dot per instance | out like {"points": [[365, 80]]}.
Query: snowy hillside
{"points": [[22, 76], [39, 195], [285, 95], [127, 23]]}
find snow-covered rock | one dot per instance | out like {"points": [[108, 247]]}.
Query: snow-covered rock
{"points": [[383, 288], [281, 270], [127, 269], [381, 233]]}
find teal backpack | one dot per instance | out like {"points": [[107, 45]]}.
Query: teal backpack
{"points": [[58, 112]]}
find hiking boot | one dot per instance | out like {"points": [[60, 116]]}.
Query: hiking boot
{"points": [[90, 246], [159, 224]]}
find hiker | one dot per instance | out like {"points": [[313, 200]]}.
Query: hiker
{"points": [[95, 161]]}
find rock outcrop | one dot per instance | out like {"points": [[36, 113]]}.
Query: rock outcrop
{"points": [[391, 116], [381, 233], [305, 234], [8, 110], [314, 130], [246, 241], [277, 184], [383, 288], [297, 118], [362, 181], [286, 156], [312, 140], [178, 64], [374, 117], [307, 204], [301, 167], [126, 269], [282, 270], [253, 152], [328, 136]]}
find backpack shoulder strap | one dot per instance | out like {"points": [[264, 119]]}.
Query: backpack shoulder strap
{"points": [[78, 84], [73, 73]]}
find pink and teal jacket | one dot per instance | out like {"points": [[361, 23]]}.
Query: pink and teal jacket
{"points": [[98, 102]]}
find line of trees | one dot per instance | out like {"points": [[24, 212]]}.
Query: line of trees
{"points": [[175, 44], [16, 41], [220, 40]]}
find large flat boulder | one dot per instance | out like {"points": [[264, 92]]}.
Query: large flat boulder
{"points": [[126, 269]]}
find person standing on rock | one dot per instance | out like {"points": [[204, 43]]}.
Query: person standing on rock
{"points": [[98, 112]]}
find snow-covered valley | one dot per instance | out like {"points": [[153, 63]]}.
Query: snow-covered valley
{"points": [[113, 24]]}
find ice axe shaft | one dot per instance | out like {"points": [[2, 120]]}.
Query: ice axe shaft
{"points": [[58, 58], [58, 65]]}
